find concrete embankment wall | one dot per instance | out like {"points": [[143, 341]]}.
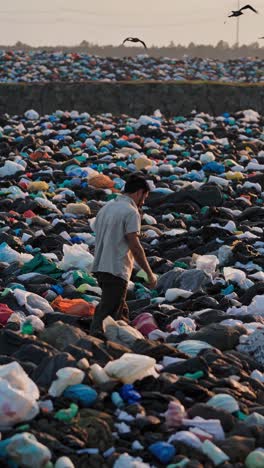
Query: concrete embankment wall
{"points": [[171, 98]]}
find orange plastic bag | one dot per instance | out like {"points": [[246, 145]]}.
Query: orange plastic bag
{"points": [[78, 307], [101, 181]]}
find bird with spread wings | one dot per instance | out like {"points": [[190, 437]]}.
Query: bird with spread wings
{"points": [[241, 11], [135, 39]]}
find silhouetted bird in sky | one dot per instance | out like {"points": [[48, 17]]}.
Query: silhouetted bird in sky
{"points": [[134, 39], [240, 12]]}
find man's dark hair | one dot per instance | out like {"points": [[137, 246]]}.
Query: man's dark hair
{"points": [[136, 182]]}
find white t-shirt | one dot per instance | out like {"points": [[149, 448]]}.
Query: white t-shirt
{"points": [[112, 254]]}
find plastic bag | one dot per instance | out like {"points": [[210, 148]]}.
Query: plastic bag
{"points": [[175, 414], [8, 255], [81, 394], [26, 451], [145, 323], [64, 462], [34, 304], [10, 168], [120, 332], [238, 277], [101, 181], [77, 307], [131, 367], [126, 461], [214, 453], [255, 459], [256, 307], [224, 254], [207, 263], [225, 402], [44, 203], [78, 209], [5, 314], [67, 376], [192, 347], [98, 374], [174, 293], [183, 325], [38, 186], [142, 163], [76, 256], [14, 374], [18, 395], [31, 114], [163, 451]]}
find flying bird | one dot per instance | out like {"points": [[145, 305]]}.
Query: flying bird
{"points": [[240, 12], [134, 39]]}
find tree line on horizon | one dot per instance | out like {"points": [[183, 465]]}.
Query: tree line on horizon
{"points": [[221, 51]]}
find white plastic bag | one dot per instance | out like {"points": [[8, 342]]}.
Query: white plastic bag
{"points": [[76, 256], [18, 395], [131, 367], [126, 461], [256, 307], [31, 114], [66, 376], [10, 168], [36, 323], [238, 277], [17, 378], [34, 304], [174, 293], [182, 325], [64, 462], [9, 255], [44, 203], [120, 332], [207, 263]]}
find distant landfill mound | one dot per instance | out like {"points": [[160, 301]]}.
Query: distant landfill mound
{"points": [[222, 50]]}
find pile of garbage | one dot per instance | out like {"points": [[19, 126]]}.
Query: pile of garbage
{"points": [[183, 384], [43, 66]]}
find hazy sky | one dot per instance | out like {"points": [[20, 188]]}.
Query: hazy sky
{"points": [[52, 22]]}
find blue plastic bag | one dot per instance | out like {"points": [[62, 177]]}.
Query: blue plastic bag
{"points": [[82, 394], [163, 451]]}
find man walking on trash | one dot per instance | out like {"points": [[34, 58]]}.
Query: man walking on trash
{"points": [[117, 245]]}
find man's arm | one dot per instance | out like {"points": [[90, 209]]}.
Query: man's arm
{"points": [[140, 257]]}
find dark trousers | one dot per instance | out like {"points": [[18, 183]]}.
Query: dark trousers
{"points": [[113, 300]]}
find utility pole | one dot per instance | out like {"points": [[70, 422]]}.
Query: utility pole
{"points": [[238, 24]]}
